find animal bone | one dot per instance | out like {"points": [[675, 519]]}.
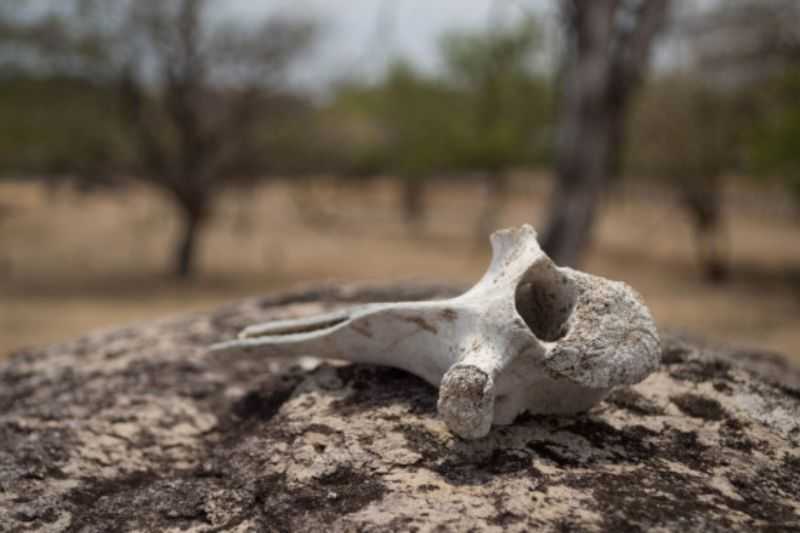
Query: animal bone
{"points": [[528, 337]]}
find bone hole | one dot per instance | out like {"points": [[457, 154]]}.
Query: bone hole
{"points": [[545, 299]]}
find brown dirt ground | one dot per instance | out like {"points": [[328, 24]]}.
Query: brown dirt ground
{"points": [[70, 262]]}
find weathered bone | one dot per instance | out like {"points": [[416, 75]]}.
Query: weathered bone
{"points": [[528, 337]]}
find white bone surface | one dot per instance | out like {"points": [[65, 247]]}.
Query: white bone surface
{"points": [[528, 337]]}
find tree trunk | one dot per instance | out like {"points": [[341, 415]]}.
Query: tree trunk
{"points": [[711, 252], [602, 66], [414, 201], [193, 216], [572, 214], [584, 158], [702, 200]]}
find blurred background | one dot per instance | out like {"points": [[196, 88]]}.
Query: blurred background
{"points": [[159, 156]]}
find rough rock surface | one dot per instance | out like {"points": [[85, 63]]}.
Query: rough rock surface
{"points": [[140, 429]]}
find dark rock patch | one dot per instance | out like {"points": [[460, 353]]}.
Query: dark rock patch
{"points": [[700, 370], [315, 507], [673, 355], [629, 399], [375, 387], [557, 453], [626, 445], [700, 407], [732, 435], [265, 402], [421, 441], [32, 455], [480, 470], [644, 498]]}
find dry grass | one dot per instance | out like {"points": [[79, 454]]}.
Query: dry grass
{"points": [[69, 263]]}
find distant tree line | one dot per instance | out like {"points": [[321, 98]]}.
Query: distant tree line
{"points": [[160, 91], [489, 111], [732, 108], [190, 102]]}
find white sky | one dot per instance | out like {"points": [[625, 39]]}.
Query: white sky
{"points": [[360, 36]]}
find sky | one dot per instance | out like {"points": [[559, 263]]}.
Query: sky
{"points": [[360, 36]]}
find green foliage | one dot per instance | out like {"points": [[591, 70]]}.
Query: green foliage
{"points": [[59, 126], [774, 144], [57, 119], [489, 111], [423, 122], [683, 130], [407, 125], [509, 105], [686, 132], [155, 89], [67, 112]]}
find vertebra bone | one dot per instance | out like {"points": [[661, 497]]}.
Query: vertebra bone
{"points": [[528, 337]]}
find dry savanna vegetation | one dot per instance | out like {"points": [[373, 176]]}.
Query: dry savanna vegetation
{"points": [[72, 262]]}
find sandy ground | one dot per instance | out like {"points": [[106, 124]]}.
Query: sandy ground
{"points": [[70, 263]]}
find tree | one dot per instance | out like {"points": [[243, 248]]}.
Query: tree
{"points": [[732, 106], [422, 118], [196, 124], [744, 42], [607, 46], [55, 122], [419, 121], [57, 127], [774, 146], [684, 132], [486, 112], [508, 105], [753, 46], [193, 91]]}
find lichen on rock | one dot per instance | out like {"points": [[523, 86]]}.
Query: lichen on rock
{"points": [[141, 429]]}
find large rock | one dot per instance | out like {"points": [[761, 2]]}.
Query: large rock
{"points": [[141, 429]]}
